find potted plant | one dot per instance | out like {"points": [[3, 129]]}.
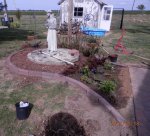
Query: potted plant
{"points": [[113, 57]]}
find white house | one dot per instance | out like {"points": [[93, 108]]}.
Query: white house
{"points": [[92, 13]]}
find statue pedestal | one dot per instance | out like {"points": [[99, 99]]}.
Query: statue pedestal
{"points": [[43, 56]]}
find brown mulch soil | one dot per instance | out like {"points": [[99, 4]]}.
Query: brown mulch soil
{"points": [[119, 99], [20, 60], [63, 124], [125, 90]]}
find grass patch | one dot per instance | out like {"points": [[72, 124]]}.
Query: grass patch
{"points": [[52, 97], [136, 38]]}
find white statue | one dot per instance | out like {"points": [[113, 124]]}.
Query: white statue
{"points": [[52, 34]]}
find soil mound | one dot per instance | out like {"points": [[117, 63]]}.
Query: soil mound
{"points": [[63, 124]]}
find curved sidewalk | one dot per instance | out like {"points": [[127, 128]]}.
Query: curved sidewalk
{"points": [[58, 77]]}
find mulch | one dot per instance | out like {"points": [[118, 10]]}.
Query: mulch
{"points": [[20, 60]]}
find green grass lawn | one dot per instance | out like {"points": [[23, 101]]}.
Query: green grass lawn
{"points": [[12, 39], [47, 98], [136, 39]]}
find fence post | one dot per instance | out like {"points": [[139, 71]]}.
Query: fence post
{"points": [[121, 25]]}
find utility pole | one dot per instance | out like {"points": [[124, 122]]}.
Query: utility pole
{"points": [[5, 6], [70, 13], [133, 4]]}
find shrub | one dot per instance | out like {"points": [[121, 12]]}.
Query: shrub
{"points": [[86, 79], [85, 71], [15, 25], [108, 86], [89, 50], [107, 66], [91, 40], [86, 52]]}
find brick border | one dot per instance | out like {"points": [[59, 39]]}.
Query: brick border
{"points": [[47, 75]]}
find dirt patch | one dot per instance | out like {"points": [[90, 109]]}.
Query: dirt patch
{"points": [[63, 124], [124, 93]]}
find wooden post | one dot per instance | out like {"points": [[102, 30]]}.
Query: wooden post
{"points": [[121, 25], [70, 13]]}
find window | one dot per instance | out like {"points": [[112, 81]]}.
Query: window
{"points": [[107, 12], [78, 11]]}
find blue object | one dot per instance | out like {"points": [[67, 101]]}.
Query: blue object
{"points": [[93, 31]]}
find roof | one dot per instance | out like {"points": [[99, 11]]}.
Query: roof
{"points": [[61, 1], [98, 1]]}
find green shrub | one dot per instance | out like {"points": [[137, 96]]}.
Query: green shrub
{"points": [[107, 66], [15, 25], [85, 71], [91, 40], [89, 50], [86, 79], [108, 86]]}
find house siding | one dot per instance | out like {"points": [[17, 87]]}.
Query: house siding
{"points": [[90, 8]]}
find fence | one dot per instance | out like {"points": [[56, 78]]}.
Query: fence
{"points": [[117, 18]]}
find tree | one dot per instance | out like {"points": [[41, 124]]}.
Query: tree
{"points": [[141, 7]]}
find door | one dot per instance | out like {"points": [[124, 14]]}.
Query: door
{"points": [[106, 17]]}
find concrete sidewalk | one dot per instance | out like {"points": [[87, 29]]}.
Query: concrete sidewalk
{"points": [[140, 79]]}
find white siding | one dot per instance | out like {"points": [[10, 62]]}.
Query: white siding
{"points": [[90, 8]]}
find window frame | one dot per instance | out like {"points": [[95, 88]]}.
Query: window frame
{"points": [[77, 12], [107, 13]]}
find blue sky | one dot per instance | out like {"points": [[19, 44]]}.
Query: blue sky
{"points": [[52, 4]]}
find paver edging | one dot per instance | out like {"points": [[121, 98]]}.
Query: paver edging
{"points": [[47, 75]]}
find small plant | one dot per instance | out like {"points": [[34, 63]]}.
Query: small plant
{"points": [[108, 86], [15, 25], [89, 50], [91, 40], [86, 79], [86, 52], [94, 70], [107, 66], [85, 71]]}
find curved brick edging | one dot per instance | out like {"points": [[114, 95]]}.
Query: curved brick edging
{"points": [[47, 75]]}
